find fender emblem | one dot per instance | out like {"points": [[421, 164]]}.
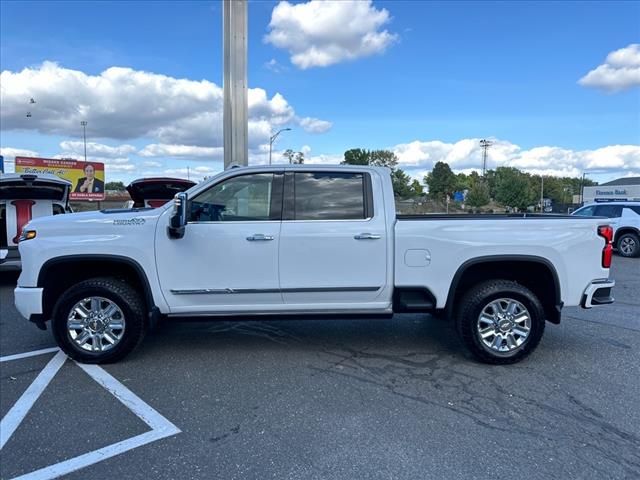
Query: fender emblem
{"points": [[130, 221]]}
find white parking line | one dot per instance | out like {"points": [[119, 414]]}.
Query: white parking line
{"points": [[16, 414], [35, 353], [160, 426]]}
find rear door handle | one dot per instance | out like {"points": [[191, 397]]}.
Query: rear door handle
{"points": [[260, 237], [367, 236]]}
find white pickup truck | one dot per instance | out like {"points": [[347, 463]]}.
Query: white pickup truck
{"points": [[306, 240]]}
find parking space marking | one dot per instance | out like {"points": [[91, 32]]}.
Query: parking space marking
{"points": [[160, 426], [35, 353], [16, 414]]}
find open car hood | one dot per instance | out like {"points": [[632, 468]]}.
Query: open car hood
{"points": [[155, 192], [31, 186]]}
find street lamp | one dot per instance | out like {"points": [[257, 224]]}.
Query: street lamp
{"points": [[84, 136], [273, 138]]}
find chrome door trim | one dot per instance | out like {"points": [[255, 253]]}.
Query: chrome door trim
{"points": [[223, 291]]}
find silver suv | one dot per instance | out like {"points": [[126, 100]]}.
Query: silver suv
{"points": [[624, 217]]}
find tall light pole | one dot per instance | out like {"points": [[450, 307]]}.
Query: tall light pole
{"points": [[84, 136], [273, 139], [485, 144], [234, 84]]}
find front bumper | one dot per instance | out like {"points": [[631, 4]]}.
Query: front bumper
{"points": [[28, 301], [598, 293]]}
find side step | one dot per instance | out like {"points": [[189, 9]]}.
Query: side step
{"points": [[413, 300]]}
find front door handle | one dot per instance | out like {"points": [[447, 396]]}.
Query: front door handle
{"points": [[367, 236], [260, 237]]}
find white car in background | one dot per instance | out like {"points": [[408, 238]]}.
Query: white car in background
{"points": [[624, 217], [24, 197]]}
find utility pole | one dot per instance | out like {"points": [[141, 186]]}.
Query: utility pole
{"points": [[541, 194], [84, 136], [582, 188], [234, 84], [273, 139], [485, 144]]}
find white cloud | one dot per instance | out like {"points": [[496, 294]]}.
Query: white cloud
{"points": [[10, 153], [193, 173], [151, 164], [620, 71], [115, 159], [321, 33], [315, 125], [122, 103], [186, 151], [466, 155], [97, 149]]}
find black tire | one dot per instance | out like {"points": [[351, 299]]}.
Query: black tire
{"points": [[631, 247], [480, 296], [115, 290]]}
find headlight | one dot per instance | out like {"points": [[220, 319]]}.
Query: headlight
{"points": [[27, 235]]}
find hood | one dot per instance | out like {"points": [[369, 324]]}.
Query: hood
{"points": [[31, 186], [155, 192]]}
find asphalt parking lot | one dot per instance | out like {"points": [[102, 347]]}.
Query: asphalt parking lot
{"points": [[329, 399]]}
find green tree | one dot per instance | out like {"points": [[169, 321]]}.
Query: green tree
{"points": [[441, 180], [118, 186], [463, 182], [383, 158], [294, 157], [402, 184], [513, 188], [356, 156], [417, 187], [478, 195]]}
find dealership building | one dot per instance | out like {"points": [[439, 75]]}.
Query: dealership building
{"points": [[624, 189]]}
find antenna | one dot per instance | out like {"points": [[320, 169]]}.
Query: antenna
{"points": [[485, 144]]}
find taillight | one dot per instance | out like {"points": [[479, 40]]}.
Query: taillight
{"points": [[606, 232]]}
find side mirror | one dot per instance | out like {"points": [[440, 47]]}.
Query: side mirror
{"points": [[179, 216]]}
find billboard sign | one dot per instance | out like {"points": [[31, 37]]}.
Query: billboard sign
{"points": [[605, 193], [87, 178]]}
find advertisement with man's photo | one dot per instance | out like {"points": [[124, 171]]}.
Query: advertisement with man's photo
{"points": [[87, 178]]}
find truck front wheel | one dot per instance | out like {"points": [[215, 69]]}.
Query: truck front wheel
{"points": [[99, 320], [500, 321]]}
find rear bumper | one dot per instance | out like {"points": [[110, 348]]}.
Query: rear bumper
{"points": [[598, 293], [28, 302]]}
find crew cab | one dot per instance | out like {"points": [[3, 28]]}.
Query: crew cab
{"points": [[624, 218], [302, 240], [24, 197]]}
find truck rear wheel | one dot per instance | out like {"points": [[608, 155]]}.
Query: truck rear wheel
{"points": [[500, 321], [99, 320]]}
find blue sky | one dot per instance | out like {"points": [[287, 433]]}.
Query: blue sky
{"points": [[447, 72]]}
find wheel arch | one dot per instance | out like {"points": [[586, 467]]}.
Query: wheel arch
{"points": [[536, 273], [622, 230], [58, 274]]}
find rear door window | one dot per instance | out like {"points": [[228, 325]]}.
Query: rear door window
{"points": [[329, 196], [609, 211]]}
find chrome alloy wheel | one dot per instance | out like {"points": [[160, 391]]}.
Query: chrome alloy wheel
{"points": [[628, 245], [95, 324], [503, 326]]}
